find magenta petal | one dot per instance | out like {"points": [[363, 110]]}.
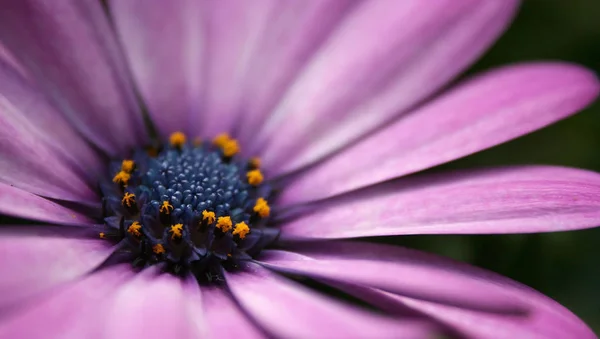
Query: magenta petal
{"points": [[68, 48], [543, 318], [21, 204], [221, 317], [38, 259], [483, 112], [405, 272], [505, 200], [75, 311], [384, 58], [287, 310], [150, 306]]}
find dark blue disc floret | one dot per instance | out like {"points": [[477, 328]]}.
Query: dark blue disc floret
{"points": [[189, 208]]}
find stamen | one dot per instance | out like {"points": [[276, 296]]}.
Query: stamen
{"points": [[121, 178], [230, 148], [177, 231], [197, 142], [208, 216], [262, 208], [254, 177], [102, 235], [127, 166], [221, 139], [177, 139], [241, 229], [134, 229], [166, 207], [254, 163], [224, 224], [158, 249], [128, 199]]}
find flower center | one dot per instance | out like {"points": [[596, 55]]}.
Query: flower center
{"points": [[189, 207]]}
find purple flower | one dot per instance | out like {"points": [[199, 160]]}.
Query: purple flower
{"points": [[196, 238]]}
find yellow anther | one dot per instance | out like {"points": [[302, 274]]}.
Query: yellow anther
{"points": [[255, 177], [241, 229], [254, 162], [102, 235], [208, 216], [262, 208], [224, 224], [197, 141], [127, 166], [134, 229], [166, 207], [158, 249], [177, 139], [177, 230], [221, 139], [121, 178], [230, 148], [128, 199]]}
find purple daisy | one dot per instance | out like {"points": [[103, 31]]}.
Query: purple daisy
{"points": [[275, 132]]}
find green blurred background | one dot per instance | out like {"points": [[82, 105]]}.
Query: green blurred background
{"points": [[561, 265]]}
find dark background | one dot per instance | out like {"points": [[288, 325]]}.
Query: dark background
{"points": [[563, 265]]}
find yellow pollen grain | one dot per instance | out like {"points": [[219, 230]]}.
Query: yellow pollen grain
{"points": [[262, 208], [255, 177], [127, 165], [241, 229], [166, 207], [208, 216], [102, 235], [134, 229], [128, 199], [177, 230], [224, 224], [230, 148], [121, 178], [177, 139], [221, 139], [254, 162], [158, 249]]}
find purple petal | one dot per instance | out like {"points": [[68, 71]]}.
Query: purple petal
{"points": [[488, 110], [544, 318], [383, 59], [21, 204], [409, 273], [69, 50], [75, 311], [288, 310], [507, 200], [222, 318], [35, 260], [151, 306]]}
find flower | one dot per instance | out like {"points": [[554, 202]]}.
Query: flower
{"points": [[198, 238]]}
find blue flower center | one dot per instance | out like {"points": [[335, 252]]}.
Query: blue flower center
{"points": [[190, 207]]}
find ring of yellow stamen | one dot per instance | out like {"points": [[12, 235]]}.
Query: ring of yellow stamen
{"points": [[128, 199], [230, 148], [177, 231], [208, 216], [221, 139], [262, 208], [224, 224], [241, 229], [127, 165], [158, 249], [134, 229], [254, 163], [254, 177], [177, 139], [166, 207], [102, 235], [121, 178]]}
